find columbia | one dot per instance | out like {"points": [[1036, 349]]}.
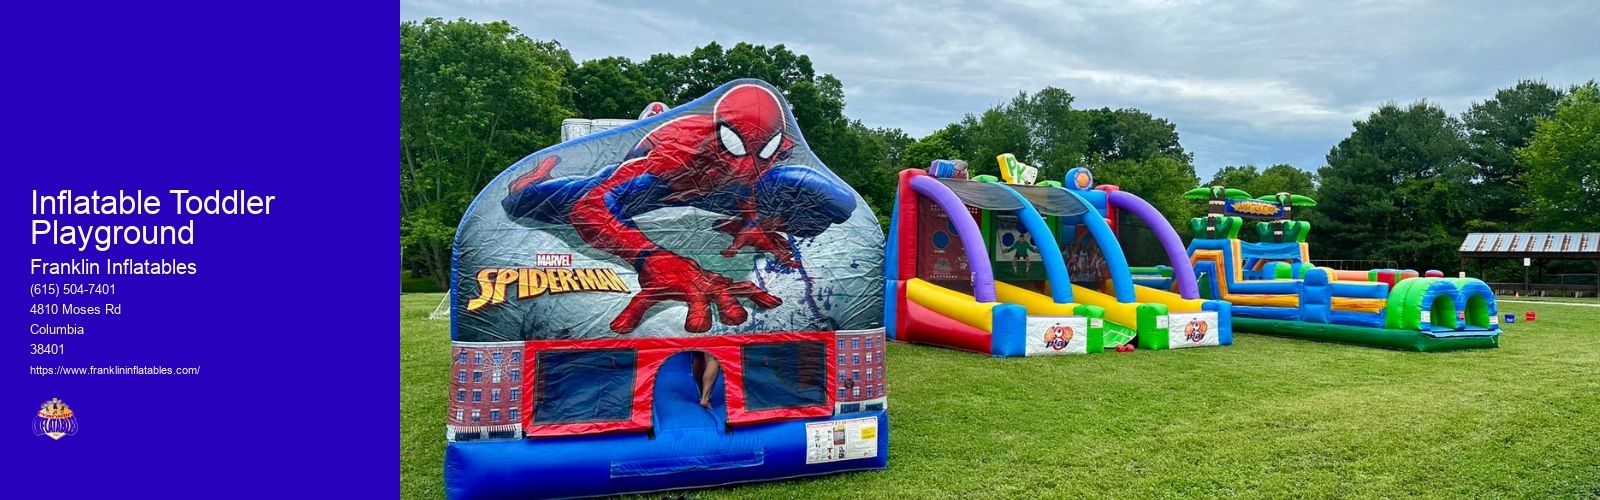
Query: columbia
{"points": [[69, 329]]}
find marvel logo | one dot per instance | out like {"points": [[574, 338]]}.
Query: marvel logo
{"points": [[553, 260]]}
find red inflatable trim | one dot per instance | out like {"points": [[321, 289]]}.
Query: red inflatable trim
{"points": [[938, 329], [902, 317], [652, 352]]}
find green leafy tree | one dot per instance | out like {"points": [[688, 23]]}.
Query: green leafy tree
{"points": [[863, 156], [819, 110], [1127, 147], [1041, 129], [1130, 134], [1235, 176], [474, 98], [1280, 178], [1284, 178], [612, 87], [1160, 180], [1141, 154], [1394, 188], [685, 77], [1563, 165], [996, 131], [1059, 134], [1496, 129], [936, 146], [868, 159], [895, 143]]}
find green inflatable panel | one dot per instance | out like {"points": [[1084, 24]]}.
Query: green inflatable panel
{"points": [[1377, 337], [1117, 335]]}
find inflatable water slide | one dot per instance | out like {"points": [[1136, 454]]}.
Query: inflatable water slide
{"points": [[1275, 289], [980, 265]]}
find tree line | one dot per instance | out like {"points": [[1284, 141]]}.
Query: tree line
{"points": [[476, 97], [1412, 180]]}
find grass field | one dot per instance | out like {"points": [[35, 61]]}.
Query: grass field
{"points": [[418, 284], [1566, 300], [1266, 417]]}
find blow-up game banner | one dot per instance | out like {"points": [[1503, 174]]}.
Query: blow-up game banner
{"points": [[1016, 254], [1192, 330], [941, 257], [711, 218], [1050, 335], [1085, 261]]}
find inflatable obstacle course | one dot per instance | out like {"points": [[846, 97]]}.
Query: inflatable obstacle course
{"points": [[600, 283], [1275, 289]]}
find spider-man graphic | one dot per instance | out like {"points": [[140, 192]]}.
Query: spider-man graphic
{"points": [[726, 162]]}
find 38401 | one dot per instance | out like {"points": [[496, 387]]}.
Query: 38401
{"points": [[46, 348]]}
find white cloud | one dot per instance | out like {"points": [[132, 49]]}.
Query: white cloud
{"points": [[1264, 82]]}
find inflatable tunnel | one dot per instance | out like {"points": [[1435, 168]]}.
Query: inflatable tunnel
{"points": [[688, 300]]}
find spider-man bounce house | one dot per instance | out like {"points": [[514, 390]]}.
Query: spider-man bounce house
{"points": [[595, 279]]}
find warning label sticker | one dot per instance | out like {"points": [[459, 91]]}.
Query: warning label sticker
{"points": [[1192, 330], [1057, 335], [841, 440]]}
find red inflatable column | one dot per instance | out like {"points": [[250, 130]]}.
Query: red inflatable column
{"points": [[909, 220], [906, 251], [1387, 277]]}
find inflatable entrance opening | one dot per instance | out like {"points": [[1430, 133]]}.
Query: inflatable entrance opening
{"points": [[687, 300]]}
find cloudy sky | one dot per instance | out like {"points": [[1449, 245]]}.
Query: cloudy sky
{"points": [[1246, 83]]}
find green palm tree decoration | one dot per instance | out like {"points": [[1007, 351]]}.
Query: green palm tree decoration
{"points": [[1288, 202], [1216, 193], [1217, 204]]}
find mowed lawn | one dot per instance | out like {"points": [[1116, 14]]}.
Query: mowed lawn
{"points": [[1266, 417]]}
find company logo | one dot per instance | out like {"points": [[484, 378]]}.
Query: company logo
{"points": [[55, 419], [553, 260], [1057, 337], [495, 285], [1195, 331]]}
